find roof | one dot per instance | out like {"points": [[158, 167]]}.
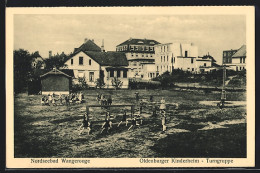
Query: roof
{"points": [[55, 72], [108, 58], [140, 42], [88, 46], [241, 52]]}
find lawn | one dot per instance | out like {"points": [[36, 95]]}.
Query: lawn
{"points": [[194, 130]]}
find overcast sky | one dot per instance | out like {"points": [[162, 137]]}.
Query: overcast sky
{"points": [[60, 33]]}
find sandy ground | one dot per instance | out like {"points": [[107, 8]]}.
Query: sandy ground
{"points": [[52, 131]]}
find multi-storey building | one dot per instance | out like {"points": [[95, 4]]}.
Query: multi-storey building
{"points": [[171, 56], [237, 61], [227, 56], [138, 51]]}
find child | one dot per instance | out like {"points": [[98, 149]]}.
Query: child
{"points": [[109, 100], [162, 106], [85, 125], [123, 119], [43, 100], [163, 121], [133, 123], [53, 101], [49, 98], [107, 124]]}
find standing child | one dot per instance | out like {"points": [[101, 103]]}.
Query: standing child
{"points": [[109, 100], [124, 119], [85, 125], [107, 124], [163, 121]]}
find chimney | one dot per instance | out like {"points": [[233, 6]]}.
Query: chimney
{"points": [[50, 54], [85, 40], [102, 46]]}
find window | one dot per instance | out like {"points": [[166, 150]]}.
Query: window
{"points": [[142, 55], [132, 54], [80, 60], [192, 69], [118, 73], [205, 64], [151, 55], [161, 68], [161, 58], [146, 55], [136, 55], [191, 60], [125, 73], [186, 53], [71, 61], [167, 67], [91, 76], [111, 73], [240, 60], [161, 48], [172, 60], [89, 62], [167, 58], [164, 58], [157, 68], [164, 48], [244, 60]]}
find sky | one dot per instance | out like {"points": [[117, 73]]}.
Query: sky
{"points": [[64, 32]]}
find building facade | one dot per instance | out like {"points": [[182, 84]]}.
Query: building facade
{"points": [[237, 61], [171, 56], [93, 65], [138, 51]]}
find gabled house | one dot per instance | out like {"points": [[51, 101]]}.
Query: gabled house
{"points": [[93, 65], [237, 58], [88, 45], [37, 61]]}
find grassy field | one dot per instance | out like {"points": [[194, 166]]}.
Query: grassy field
{"points": [[194, 130]]}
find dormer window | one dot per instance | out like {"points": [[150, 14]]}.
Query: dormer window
{"points": [[71, 61], [140, 42], [152, 42]]}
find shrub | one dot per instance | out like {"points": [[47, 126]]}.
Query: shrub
{"points": [[116, 83]]}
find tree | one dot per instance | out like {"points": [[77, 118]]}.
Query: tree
{"points": [[22, 69], [100, 83], [116, 83], [56, 61]]}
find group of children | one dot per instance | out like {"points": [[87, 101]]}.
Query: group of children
{"points": [[102, 100], [136, 120], [51, 99]]}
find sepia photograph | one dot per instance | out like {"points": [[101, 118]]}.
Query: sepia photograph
{"points": [[162, 88]]}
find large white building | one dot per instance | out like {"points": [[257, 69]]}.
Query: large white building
{"points": [[171, 56]]}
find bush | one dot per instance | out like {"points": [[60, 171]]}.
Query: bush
{"points": [[81, 85], [100, 83], [116, 83]]}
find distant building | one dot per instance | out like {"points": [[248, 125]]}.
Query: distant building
{"points": [[171, 56], [237, 61], [88, 45], [55, 81], [148, 70], [93, 65], [138, 51], [205, 64], [38, 61]]}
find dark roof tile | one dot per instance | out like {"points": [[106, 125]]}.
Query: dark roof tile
{"points": [[140, 42]]}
